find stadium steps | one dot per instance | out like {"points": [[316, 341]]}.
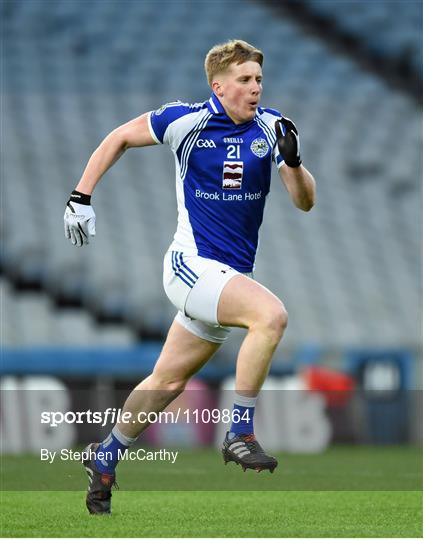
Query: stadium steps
{"points": [[32, 319], [383, 37]]}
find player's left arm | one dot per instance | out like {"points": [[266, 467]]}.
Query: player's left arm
{"points": [[300, 185], [297, 179]]}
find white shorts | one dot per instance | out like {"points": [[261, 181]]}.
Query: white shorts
{"points": [[193, 284]]}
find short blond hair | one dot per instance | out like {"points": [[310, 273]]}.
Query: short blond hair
{"points": [[220, 57]]}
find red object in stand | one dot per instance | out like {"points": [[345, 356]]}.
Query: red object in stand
{"points": [[337, 387]]}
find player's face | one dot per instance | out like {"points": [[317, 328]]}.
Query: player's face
{"points": [[239, 91]]}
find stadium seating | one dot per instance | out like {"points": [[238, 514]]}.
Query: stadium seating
{"points": [[388, 28], [348, 271], [32, 320]]}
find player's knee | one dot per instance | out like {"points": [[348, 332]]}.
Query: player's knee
{"points": [[277, 321], [273, 321], [174, 386]]}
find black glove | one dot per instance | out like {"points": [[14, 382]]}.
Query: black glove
{"points": [[289, 142]]}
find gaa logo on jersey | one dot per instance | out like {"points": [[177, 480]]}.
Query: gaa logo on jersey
{"points": [[232, 174], [259, 147]]}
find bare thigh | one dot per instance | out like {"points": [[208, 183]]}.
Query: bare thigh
{"points": [[244, 301], [183, 354]]}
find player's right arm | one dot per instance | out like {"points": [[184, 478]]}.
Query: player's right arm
{"points": [[79, 218], [134, 133], [156, 127]]}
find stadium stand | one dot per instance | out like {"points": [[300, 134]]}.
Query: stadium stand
{"points": [[391, 30], [32, 320], [383, 37], [348, 271]]}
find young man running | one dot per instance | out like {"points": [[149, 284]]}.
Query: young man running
{"points": [[223, 150]]}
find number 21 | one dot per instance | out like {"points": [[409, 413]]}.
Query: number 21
{"points": [[234, 151]]}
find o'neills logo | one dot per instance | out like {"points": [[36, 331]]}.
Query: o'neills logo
{"points": [[259, 147], [232, 174]]}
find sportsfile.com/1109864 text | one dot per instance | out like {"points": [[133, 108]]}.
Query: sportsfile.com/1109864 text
{"points": [[113, 415]]}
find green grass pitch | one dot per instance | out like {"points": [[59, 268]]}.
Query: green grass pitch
{"points": [[340, 493]]}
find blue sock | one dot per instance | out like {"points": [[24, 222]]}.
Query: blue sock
{"points": [[243, 411], [112, 448]]}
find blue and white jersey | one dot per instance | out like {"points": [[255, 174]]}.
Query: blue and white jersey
{"points": [[222, 177]]}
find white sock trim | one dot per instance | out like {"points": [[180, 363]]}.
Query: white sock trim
{"points": [[123, 439], [245, 401]]}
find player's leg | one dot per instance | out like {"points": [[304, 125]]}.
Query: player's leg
{"points": [[245, 303], [183, 354]]}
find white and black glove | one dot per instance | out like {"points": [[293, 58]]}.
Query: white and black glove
{"points": [[288, 141], [79, 219]]}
